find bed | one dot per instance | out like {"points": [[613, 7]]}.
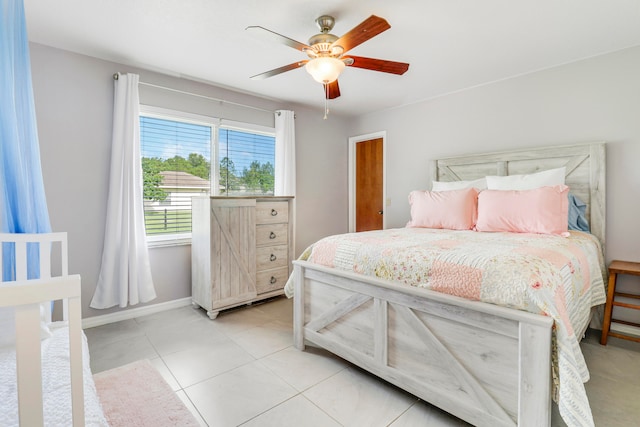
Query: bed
{"points": [[487, 364], [45, 377]]}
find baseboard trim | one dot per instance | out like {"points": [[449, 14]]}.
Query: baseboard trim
{"points": [[118, 316]]}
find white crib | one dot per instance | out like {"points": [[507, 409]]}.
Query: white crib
{"points": [[31, 300]]}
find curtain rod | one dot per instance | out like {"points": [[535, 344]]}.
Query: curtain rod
{"points": [[116, 76]]}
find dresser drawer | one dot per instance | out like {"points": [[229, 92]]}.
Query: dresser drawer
{"points": [[272, 234], [271, 280], [269, 257], [272, 212]]}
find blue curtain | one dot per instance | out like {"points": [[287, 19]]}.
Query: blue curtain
{"points": [[23, 205]]}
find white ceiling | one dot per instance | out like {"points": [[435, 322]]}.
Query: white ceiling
{"points": [[450, 44]]}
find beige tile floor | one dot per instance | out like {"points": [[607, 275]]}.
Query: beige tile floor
{"points": [[241, 369]]}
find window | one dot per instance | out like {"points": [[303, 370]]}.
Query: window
{"points": [[177, 164], [246, 162]]}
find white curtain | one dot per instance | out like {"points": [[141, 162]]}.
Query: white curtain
{"points": [[285, 168], [125, 275]]}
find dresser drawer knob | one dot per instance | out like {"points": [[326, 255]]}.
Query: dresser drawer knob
{"points": [[273, 257], [272, 235], [274, 212], [273, 280]]}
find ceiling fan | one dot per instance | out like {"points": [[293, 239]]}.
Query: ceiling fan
{"points": [[326, 52]]}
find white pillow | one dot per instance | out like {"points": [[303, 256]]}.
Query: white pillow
{"points": [[548, 178], [478, 184]]}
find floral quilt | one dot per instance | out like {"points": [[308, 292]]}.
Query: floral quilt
{"points": [[560, 277]]}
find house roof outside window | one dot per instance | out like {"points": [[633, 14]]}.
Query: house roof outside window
{"points": [[183, 181]]}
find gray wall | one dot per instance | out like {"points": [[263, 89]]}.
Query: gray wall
{"points": [[74, 102], [592, 100]]}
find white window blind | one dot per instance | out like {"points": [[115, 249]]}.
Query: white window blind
{"points": [[176, 163], [247, 160]]}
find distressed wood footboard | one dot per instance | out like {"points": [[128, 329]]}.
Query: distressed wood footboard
{"points": [[485, 364]]}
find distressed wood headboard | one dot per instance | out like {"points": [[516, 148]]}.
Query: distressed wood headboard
{"points": [[585, 172]]}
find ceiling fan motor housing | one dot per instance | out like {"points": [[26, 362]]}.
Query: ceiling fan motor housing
{"points": [[322, 42], [326, 23], [322, 45]]}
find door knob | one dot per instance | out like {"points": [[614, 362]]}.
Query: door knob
{"points": [[380, 212]]}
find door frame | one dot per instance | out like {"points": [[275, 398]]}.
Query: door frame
{"points": [[353, 140]]}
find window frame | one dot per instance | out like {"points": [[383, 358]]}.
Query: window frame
{"points": [[216, 124]]}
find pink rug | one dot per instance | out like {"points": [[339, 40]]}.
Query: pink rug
{"points": [[136, 395]]}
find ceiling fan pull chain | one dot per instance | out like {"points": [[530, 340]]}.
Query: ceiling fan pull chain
{"points": [[326, 100]]}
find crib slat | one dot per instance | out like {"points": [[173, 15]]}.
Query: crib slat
{"points": [[45, 259], [62, 237], [28, 364], [21, 260], [75, 352]]}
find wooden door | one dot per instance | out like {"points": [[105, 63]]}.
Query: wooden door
{"points": [[368, 183]]}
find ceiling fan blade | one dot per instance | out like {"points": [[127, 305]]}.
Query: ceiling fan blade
{"points": [[379, 65], [279, 70], [332, 90], [278, 38], [370, 27]]}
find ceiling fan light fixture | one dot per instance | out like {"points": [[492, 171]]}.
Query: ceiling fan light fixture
{"points": [[325, 69]]}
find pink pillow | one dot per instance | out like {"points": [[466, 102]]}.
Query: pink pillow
{"points": [[453, 209], [543, 210]]}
